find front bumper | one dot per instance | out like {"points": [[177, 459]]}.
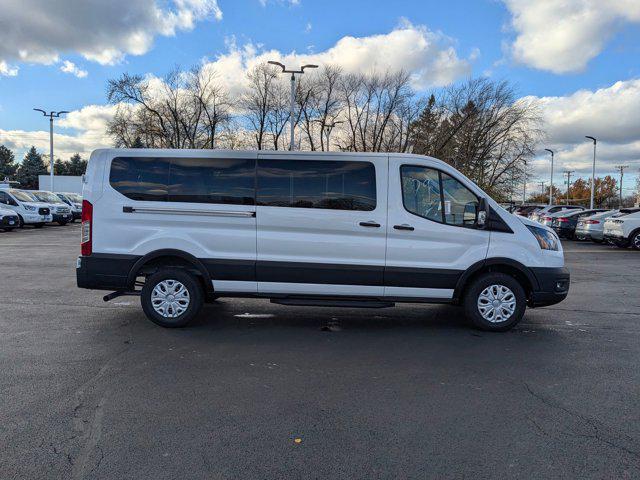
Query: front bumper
{"points": [[62, 217], [36, 218], [553, 286]]}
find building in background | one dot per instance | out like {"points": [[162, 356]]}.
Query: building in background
{"points": [[62, 183]]}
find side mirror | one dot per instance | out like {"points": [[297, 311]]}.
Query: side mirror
{"points": [[482, 213]]}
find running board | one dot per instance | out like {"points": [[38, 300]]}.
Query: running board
{"points": [[119, 293], [319, 302]]}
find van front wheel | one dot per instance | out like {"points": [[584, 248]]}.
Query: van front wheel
{"points": [[171, 297], [495, 302]]}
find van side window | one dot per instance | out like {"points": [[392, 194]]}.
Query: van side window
{"points": [[421, 192], [197, 180], [460, 204], [332, 185], [437, 196], [140, 178], [212, 180]]}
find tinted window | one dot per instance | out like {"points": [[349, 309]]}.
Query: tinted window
{"points": [[317, 184], [140, 178], [206, 180], [421, 192], [198, 180]]}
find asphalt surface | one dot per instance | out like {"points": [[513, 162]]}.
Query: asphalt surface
{"points": [[254, 390]]}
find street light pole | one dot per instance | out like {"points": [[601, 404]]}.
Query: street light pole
{"points": [[51, 116], [551, 187], [524, 188], [293, 93], [593, 170]]}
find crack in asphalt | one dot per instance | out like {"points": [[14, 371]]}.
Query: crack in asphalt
{"points": [[595, 425]]}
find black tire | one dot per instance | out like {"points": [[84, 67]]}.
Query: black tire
{"points": [[8, 229], [597, 240], [38, 225], [190, 283], [62, 224], [635, 240], [20, 221], [470, 301]]}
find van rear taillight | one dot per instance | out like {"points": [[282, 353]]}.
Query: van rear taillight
{"points": [[85, 236]]}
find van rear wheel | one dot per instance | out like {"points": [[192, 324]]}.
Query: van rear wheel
{"points": [[171, 297], [495, 302]]}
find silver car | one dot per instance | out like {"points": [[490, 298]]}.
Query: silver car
{"points": [[592, 228]]}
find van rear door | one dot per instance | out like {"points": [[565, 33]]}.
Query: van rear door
{"points": [[321, 224]]}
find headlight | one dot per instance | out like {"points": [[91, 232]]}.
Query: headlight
{"points": [[30, 208], [546, 239]]}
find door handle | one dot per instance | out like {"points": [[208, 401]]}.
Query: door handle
{"points": [[370, 224], [404, 226]]}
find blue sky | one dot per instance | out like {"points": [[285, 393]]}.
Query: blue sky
{"points": [[591, 50]]}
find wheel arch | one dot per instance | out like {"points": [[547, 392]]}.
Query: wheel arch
{"points": [[511, 267], [170, 258]]}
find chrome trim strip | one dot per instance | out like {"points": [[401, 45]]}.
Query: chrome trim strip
{"points": [[205, 213]]}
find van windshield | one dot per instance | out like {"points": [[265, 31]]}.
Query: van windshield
{"points": [[23, 196], [47, 197]]}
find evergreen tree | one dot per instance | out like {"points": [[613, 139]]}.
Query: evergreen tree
{"points": [[76, 165], [60, 167], [30, 168], [8, 166]]}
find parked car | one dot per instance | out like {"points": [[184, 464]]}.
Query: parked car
{"points": [[592, 227], [60, 210], [74, 201], [623, 231], [308, 228], [8, 219], [565, 223], [549, 209], [28, 209], [526, 210]]}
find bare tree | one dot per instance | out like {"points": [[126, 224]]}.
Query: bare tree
{"points": [[257, 100], [480, 128], [183, 110]]}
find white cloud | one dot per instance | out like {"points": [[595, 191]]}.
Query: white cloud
{"points": [[7, 70], [429, 57], [36, 31], [89, 124], [610, 114], [73, 69], [563, 35]]}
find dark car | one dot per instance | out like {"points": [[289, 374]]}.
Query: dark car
{"points": [[565, 224]]}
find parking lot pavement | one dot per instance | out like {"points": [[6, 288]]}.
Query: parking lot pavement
{"points": [[93, 390]]}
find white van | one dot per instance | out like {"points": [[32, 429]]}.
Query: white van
{"points": [[29, 210], [308, 228]]}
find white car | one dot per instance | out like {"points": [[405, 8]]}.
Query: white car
{"points": [[308, 228], [74, 201], [60, 211], [623, 231], [8, 219], [29, 210], [540, 214]]}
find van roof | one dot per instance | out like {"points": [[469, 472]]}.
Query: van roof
{"points": [[138, 152]]}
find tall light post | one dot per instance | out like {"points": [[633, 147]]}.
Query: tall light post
{"points": [[293, 91], [51, 116], [524, 188], [593, 170], [551, 187]]}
